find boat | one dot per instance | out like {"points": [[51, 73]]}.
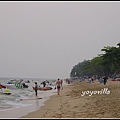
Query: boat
{"points": [[2, 86], [15, 85], [43, 88], [10, 86], [24, 85], [6, 91], [27, 81]]}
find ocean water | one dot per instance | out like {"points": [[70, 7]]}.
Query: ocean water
{"points": [[13, 101]]}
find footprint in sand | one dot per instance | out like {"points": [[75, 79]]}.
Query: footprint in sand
{"points": [[75, 106]]}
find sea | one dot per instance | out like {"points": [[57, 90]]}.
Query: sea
{"points": [[18, 95]]}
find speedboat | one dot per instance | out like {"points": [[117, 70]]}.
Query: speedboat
{"points": [[10, 86], [16, 84]]}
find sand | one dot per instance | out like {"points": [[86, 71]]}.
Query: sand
{"points": [[70, 103]]}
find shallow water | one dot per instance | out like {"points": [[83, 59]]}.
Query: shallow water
{"points": [[13, 100], [23, 101]]}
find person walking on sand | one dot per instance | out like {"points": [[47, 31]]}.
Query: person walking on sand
{"points": [[36, 88], [105, 79], [58, 84]]}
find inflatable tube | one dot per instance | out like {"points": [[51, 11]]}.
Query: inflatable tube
{"points": [[43, 88]]}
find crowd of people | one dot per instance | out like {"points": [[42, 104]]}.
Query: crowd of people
{"points": [[58, 86], [59, 83]]}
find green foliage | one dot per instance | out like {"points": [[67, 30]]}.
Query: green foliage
{"points": [[104, 64]]}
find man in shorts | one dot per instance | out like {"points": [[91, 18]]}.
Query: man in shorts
{"points": [[58, 84]]}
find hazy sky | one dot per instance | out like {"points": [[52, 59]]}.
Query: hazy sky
{"points": [[46, 39]]}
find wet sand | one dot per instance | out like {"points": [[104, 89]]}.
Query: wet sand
{"points": [[32, 103], [70, 103]]}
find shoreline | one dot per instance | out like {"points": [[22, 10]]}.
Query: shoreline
{"points": [[48, 102], [32, 103], [70, 103]]}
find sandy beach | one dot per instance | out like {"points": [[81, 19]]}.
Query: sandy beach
{"points": [[71, 104]]}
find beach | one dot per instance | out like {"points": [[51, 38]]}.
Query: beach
{"points": [[82, 100]]}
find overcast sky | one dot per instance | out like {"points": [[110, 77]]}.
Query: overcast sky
{"points": [[46, 39]]}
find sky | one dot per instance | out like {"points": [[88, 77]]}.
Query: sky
{"points": [[47, 39]]}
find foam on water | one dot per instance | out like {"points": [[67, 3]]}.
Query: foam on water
{"points": [[13, 105], [21, 98]]}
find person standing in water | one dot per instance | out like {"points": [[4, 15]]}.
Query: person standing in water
{"points": [[44, 83], [58, 84], [36, 88]]}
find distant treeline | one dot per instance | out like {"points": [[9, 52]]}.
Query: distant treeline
{"points": [[106, 64]]}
